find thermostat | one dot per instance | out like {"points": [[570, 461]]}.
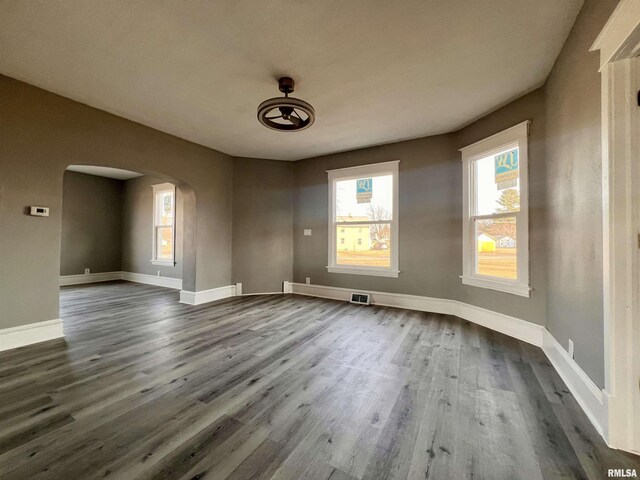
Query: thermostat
{"points": [[40, 211]]}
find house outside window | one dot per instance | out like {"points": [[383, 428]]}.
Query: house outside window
{"points": [[495, 203], [363, 206]]}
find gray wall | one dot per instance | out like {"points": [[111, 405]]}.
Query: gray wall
{"points": [[42, 133], [137, 229], [429, 218], [430, 204], [262, 224], [574, 193], [91, 224]]}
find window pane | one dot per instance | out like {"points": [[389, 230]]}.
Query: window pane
{"points": [[496, 243], [368, 246], [164, 208], [498, 183], [364, 199], [164, 247]]}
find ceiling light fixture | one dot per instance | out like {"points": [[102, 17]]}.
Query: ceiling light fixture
{"points": [[286, 114]]}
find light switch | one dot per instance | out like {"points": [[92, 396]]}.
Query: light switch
{"points": [[39, 211], [307, 232]]}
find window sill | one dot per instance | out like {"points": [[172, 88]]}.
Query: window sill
{"points": [[506, 287], [364, 271], [163, 263]]}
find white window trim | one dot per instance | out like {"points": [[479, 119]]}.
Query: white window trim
{"points": [[160, 188], [514, 136], [377, 169]]}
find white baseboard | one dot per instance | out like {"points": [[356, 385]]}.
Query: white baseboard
{"points": [[66, 280], [259, 293], [206, 296], [22, 335], [168, 282], [591, 399], [514, 327]]}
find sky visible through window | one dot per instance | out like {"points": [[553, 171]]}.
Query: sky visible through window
{"points": [[487, 188], [382, 198]]}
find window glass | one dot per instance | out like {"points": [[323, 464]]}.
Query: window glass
{"points": [[497, 181], [365, 246], [497, 244], [163, 218], [364, 199], [164, 247], [495, 212], [164, 208], [363, 231]]}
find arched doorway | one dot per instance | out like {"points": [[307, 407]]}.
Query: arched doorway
{"points": [[135, 225]]}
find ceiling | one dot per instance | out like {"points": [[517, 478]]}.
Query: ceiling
{"points": [[376, 71], [108, 172]]}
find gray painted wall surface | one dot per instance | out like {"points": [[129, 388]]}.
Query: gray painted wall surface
{"points": [[42, 133], [429, 218], [430, 204], [137, 229], [91, 224], [574, 193], [262, 224]]}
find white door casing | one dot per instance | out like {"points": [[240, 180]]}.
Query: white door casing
{"points": [[619, 44]]}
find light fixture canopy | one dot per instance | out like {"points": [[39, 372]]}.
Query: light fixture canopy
{"points": [[286, 114]]}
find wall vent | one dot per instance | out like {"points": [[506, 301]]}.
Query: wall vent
{"points": [[360, 298]]}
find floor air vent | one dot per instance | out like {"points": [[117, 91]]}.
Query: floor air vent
{"points": [[360, 298]]}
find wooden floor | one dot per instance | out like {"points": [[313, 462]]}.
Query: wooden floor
{"points": [[285, 387]]}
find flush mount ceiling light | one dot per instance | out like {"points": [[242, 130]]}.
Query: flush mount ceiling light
{"points": [[286, 114]]}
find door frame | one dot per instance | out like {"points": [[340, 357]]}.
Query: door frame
{"points": [[619, 44]]}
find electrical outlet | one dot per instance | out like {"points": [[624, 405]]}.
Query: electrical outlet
{"points": [[87, 271], [307, 232], [308, 281], [158, 272], [570, 349]]}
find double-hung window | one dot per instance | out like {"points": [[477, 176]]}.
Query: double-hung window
{"points": [[363, 220], [495, 212], [164, 215]]}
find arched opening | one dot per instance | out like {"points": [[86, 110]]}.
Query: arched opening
{"points": [[134, 225]]}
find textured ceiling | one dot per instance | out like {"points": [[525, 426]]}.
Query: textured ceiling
{"points": [[376, 71]]}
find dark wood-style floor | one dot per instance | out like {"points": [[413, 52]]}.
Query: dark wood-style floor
{"points": [[284, 387]]}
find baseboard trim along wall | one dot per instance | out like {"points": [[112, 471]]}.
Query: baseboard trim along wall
{"points": [[168, 282], [590, 398], [66, 280], [23, 335], [206, 296], [514, 327]]}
